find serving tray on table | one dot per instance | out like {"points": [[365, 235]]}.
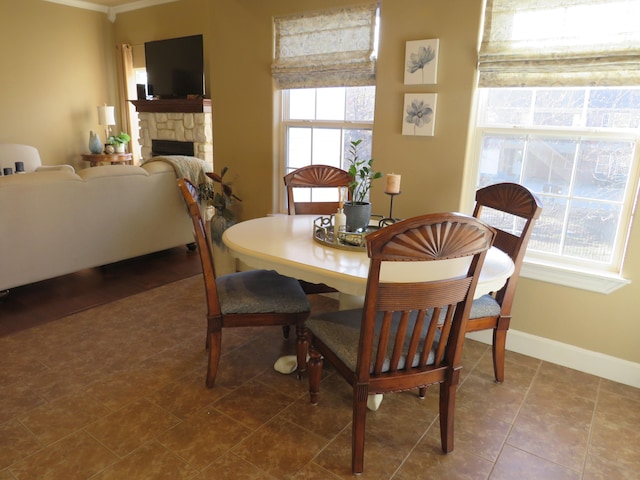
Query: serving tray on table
{"points": [[324, 233]]}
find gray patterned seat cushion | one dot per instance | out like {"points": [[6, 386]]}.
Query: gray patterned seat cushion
{"points": [[485, 306], [260, 291], [340, 331]]}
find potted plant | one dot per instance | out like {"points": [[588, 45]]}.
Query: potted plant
{"points": [[222, 201], [358, 210], [119, 141]]}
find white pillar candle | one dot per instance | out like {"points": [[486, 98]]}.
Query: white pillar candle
{"points": [[393, 183]]}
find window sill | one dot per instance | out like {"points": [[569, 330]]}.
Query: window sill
{"points": [[593, 281]]}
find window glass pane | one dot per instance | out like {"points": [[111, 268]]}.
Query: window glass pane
{"points": [[549, 165], [548, 231], [614, 108], [501, 159], [360, 104], [506, 106], [559, 107], [298, 148], [330, 104], [302, 104], [593, 227], [326, 146], [364, 148], [603, 169]]}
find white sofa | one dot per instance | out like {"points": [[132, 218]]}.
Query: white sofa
{"points": [[55, 221]]}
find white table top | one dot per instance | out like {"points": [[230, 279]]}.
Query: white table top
{"points": [[285, 243]]}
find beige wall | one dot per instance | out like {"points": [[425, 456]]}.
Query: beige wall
{"points": [[238, 49], [56, 66]]}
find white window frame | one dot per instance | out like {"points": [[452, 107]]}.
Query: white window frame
{"points": [[576, 274], [284, 124]]}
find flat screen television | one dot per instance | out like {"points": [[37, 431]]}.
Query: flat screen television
{"points": [[175, 67]]}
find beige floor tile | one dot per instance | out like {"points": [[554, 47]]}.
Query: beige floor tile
{"points": [[130, 427], [16, 443], [232, 467], [514, 463]]}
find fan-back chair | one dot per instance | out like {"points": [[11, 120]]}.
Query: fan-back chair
{"points": [[395, 342], [512, 211], [315, 176], [244, 299]]}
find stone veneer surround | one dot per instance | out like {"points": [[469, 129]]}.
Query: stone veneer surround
{"points": [[179, 120]]}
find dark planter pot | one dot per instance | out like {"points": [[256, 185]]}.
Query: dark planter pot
{"points": [[358, 215]]}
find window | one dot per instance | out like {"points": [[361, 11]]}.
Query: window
{"points": [[550, 118], [324, 63], [318, 125], [575, 148]]}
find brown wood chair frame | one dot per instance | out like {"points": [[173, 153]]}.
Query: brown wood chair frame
{"points": [[217, 319], [518, 201], [408, 335], [315, 176]]}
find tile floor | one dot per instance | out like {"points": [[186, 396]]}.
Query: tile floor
{"points": [[96, 395]]}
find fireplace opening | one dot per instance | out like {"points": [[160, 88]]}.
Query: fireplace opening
{"points": [[171, 147]]}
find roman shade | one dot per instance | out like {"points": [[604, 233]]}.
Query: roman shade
{"points": [[542, 43], [329, 48]]}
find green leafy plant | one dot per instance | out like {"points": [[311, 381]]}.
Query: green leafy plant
{"points": [[362, 173], [119, 139], [221, 201]]}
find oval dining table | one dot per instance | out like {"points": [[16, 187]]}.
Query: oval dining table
{"points": [[287, 244]]}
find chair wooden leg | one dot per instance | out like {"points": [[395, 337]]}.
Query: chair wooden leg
{"points": [[447, 409], [360, 395], [285, 331], [214, 342], [315, 372], [302, 346], [499, 347], [422, 391]]}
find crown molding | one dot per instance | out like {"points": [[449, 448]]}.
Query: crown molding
{"points": [[111, 12]]}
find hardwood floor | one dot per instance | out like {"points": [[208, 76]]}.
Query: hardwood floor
{"points": [[31, 305]]}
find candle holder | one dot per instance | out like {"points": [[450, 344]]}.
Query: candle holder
{"points": [[390, 220]]}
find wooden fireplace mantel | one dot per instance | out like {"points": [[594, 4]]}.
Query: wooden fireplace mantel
{"points": [[178, 105]]}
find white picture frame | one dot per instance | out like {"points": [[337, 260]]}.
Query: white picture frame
{"points": [[419, 114], [421, 62]]}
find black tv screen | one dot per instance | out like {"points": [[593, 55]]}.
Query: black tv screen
{"points": [[175, 67]]}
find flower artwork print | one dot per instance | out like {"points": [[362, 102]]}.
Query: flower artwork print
{"points": [[419, 114], [421, 62]]}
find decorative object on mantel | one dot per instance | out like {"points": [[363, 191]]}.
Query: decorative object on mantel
{"points": [[420, 114], [95, 144], [224, 216], [119, 141], [358, 210], [421, 62]]}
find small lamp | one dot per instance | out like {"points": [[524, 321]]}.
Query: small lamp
{"points": [[106, 118]]}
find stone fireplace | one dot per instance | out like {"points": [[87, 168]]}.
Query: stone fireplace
{"points": [[173, 122]]}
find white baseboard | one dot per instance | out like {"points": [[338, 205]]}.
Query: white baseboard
{"points": [[605, 366]]}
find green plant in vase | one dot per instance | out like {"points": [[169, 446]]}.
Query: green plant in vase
{"points": [[119, 141], [222, 201], [358, 210]]}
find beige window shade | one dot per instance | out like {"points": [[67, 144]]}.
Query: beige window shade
{"points": [[331, 48], [542, 43]]}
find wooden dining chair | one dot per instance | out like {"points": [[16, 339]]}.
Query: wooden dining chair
{"points": [[395, 342], [244, 299], [314, 176], [512, 211]]}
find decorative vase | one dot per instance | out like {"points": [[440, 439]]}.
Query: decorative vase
{"points": [[358, 215], [120, 147], [95, 145]]}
